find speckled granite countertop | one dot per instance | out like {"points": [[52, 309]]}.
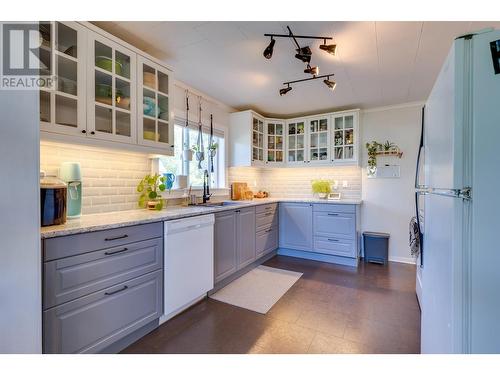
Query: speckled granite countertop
{"points": [[110, 220]]}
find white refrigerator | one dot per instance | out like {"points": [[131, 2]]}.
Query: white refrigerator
{"points": [[458, 185]]}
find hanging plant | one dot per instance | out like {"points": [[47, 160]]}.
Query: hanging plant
{"points": [[200, 154], [372, 149], [212, 146]]}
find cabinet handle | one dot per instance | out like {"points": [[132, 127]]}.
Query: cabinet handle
{"points": [[330, 214], [268, 208], [269, 231], [237, 211], [92, 132], [268, 214], [333, 240], [116, 238], [116, 291], [84, 131], [116, 252]]}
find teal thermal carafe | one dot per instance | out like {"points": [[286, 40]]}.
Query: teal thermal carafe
{"points": [[71, 174]]}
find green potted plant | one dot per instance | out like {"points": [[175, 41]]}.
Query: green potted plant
{"points": [[322, 188], [150, 189], [372, 149]]}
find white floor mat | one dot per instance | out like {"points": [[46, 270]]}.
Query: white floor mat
{"points": [[259, 289]]}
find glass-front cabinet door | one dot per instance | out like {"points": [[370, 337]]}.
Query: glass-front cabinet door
{"points": [[296, 142], [275, 142], [112, 86], [318, 135], [257, 140], [62, 56], [155, 126], [344, 137]]}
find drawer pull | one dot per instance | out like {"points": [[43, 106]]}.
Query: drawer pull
{"points": [[268, 208], [268, 214], [116, 291], [330, 214], [333, 240], [269, 231], [116, 252], [116, 238]]}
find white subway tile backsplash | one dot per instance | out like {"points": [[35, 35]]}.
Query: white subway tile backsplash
{"points": [[109, 177], [296, 182]]}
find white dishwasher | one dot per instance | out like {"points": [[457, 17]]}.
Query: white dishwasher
{"points": [[188, 263]]}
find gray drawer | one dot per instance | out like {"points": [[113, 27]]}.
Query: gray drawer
{"points": [[266, 220], [70, 278], [335, 246], [331, 207], [339, 225], [266, 241], [61, 247], [91, 323], [266, 208]]}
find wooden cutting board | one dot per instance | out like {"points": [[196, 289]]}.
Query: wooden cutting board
{"points": [[237, 190]]}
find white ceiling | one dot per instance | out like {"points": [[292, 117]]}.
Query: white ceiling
{"points": [[377, 63]]}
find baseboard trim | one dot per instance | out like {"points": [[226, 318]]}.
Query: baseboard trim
{"points": [[344, 261], [402, 260]]}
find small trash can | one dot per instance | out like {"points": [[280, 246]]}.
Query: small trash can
{"points": [[376, 247]]}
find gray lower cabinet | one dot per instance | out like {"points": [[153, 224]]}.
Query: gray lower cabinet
{"points": [[225, 244], [266, 241], [245, 229], [234, 241], [335, 231], [100, 287], [91, 323], [296, 226]]}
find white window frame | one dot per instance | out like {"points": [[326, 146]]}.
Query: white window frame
{"points": [[219, 181]]}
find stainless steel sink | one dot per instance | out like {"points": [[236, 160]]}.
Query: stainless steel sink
{"points": [[217, 204]]}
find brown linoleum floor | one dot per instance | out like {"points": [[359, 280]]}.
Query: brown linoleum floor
{"points": [[331, 309]]}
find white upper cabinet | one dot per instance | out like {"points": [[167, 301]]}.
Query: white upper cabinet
{"points": [[327, 139], [296, 142], [318, 135], [275, 142], [107, 92], [111, 90], [258, 135], [345, 137], [62, 55], [155, 126]]}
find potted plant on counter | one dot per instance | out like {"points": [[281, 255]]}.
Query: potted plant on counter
{"points": [[322, 188], [150, 189]]}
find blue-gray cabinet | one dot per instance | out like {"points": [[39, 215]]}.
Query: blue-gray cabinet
{"points": [[101, 287], [296, 226], [266, 236], [245, 228], [225, 245]]}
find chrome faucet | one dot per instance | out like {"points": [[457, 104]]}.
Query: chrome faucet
{"points": [[206, 188]]}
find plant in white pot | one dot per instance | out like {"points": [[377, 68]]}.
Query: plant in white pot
{"points": [[321, 188]]}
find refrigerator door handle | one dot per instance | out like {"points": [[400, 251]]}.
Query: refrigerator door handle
{"points": [[464, 193]]}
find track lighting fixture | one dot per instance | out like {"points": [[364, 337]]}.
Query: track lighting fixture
{"points": [[268, 52], [314, 70], [330, 48], [304, 54], [285, 90], [331, 84]]}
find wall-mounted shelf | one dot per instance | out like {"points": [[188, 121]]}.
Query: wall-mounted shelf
{"points": [[396, 153]]}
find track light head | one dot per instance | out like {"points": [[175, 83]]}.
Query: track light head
{"points": [[314, 70], [268, 52], [330, 48], [304, 54], [285, 90], [331, 84]]}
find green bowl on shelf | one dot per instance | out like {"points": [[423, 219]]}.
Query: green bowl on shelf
{"points": [[106, 63]]}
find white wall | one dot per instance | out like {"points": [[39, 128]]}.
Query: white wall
{"points": [[388, 204], [20, 255]]}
